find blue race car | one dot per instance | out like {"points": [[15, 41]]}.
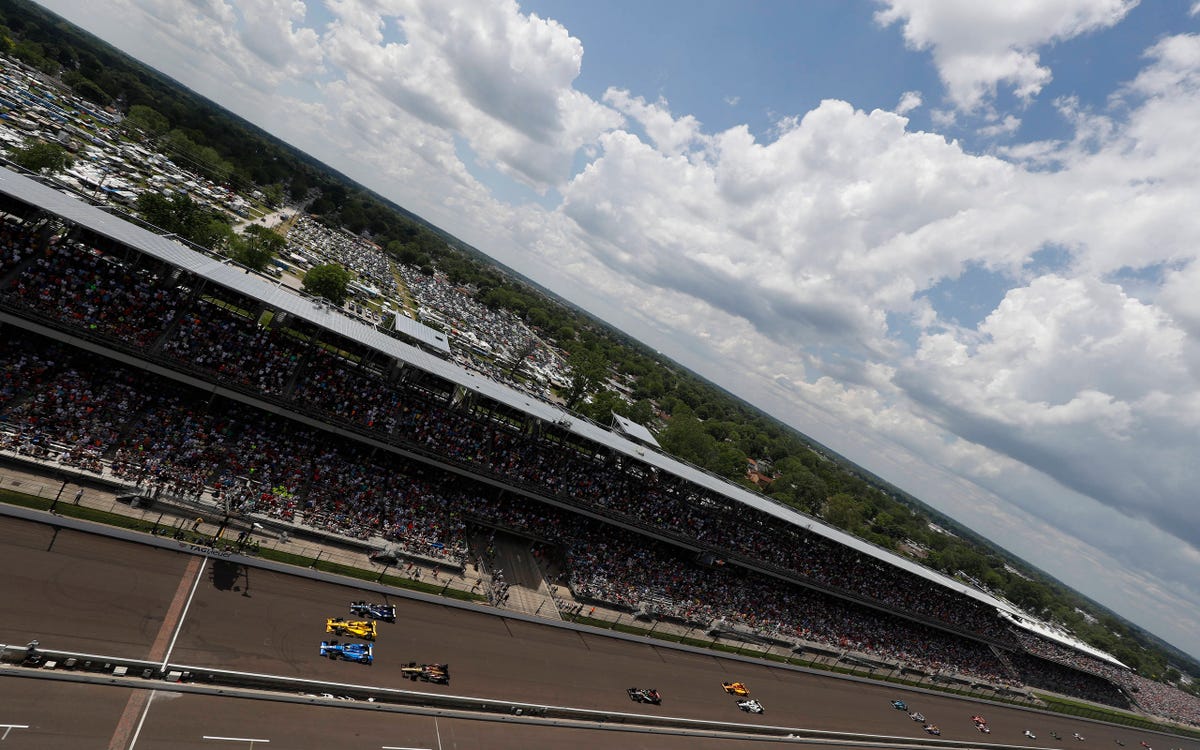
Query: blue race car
{"points": [[386, 612], [363, 653], [900, 705]]}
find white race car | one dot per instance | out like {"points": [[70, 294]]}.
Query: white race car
{"points": [[749, 705]]}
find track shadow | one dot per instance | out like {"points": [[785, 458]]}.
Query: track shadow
{"points": [[226, 575]]}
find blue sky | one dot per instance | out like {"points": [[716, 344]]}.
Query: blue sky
{"points": [[955, 241]]}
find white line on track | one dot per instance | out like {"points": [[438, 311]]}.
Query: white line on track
{"points": [[146, 710], [183, 615]]}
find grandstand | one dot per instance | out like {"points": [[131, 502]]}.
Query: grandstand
{"points": [[151, 362]]}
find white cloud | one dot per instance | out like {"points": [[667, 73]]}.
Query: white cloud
{"points": [[811, 237], [256, 44], [1005, 127], [500, 79], [1039, 384], [978, 46], [667, 134], [909, 101]]}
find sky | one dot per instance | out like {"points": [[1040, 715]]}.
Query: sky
{"points": [[954, 241]]}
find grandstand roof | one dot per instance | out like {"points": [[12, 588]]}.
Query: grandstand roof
{"points": [[634, 430], [215, 270], [108, 225], [1034, 625]]}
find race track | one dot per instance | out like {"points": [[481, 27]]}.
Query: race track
{"points": [[82, 592]]}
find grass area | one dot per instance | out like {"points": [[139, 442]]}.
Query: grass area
{"points": [[67, 509]]}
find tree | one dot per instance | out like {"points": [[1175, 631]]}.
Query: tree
{"points": [[34, 54], [147, 119], [273, 194], [85, 87], [255, 247], [588, 368], [181, 215], [727, 461], [204, 159], [685, 437], [641, 412], [602, 406], [328, 281], [843, 511], [519, 356], [1028, 595], [42, 157]]}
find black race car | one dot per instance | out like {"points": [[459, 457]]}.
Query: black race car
{"points": [[438, 674], [644, 695], [386, 612]]}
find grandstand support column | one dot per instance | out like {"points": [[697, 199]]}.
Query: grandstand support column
{"points": [[462, 399], [1003, 659], [261, 310], [299, 372], [394, 371]]}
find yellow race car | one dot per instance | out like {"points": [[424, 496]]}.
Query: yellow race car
{"points": [[736, 688], [364, 629]]}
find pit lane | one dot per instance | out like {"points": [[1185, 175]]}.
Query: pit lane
{"points": [[84, 592]]}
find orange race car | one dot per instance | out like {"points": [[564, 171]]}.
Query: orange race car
{"points": [[736, 688]]}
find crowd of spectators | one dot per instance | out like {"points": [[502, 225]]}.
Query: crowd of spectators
{"points": [[94, 291], [265, 364], [366, 259], [1154, 697], [58, 404], [16, 244], [130, 301], [1038, 672], [175, 440], [157, 435]]}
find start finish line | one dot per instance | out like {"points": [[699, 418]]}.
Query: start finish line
{"points": [[9, 727]]}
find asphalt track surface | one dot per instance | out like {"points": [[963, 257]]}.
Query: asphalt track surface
{"points": [[81, 592]]}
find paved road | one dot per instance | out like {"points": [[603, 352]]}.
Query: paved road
{"points": [[76, 591]]}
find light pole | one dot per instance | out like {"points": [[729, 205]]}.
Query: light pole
{"points": [[386, 568]]}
